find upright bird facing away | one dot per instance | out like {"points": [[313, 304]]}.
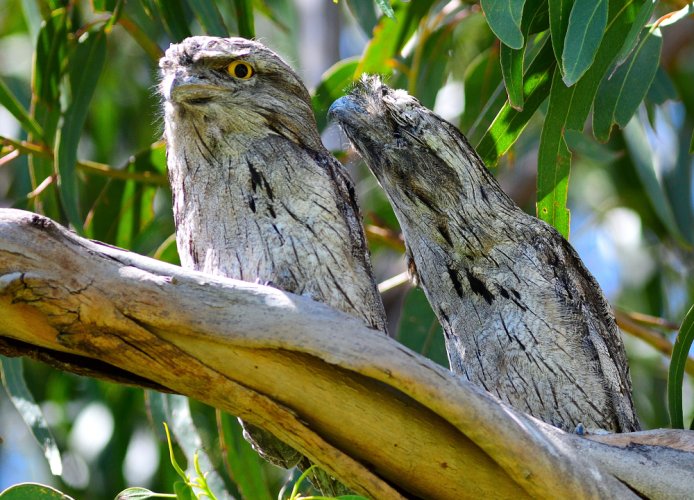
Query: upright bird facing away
{"points": [[522, 316], [256, 195]]}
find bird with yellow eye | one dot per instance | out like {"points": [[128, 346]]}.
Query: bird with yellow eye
{"points": [[241, 70], [257, 197]]}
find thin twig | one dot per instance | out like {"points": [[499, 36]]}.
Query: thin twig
{"points": [[89, 167], [647, 319], [384, 235], [654, 339]]}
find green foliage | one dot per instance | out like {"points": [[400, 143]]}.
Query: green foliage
{"points": [[573, 97], [419, 329], [11, 372], [32, 491], [675, 379]]}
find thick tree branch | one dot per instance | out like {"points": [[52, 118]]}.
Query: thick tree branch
{"points": [[383, 419]]}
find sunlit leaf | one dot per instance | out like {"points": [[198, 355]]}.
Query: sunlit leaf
{"points": [[582, 95], [675, 379], [535, 18], [512, 69], [553, 167], [51, 49], [244, 18], [245, 465], [47, 74], [85, 69], [11, 104], [583, 36], [390, 36], [33, 491], [619, 96], [12, 373], [504, 18], [559, 11], [335, 81], [209, 17], [136, 494], [509, 123], [568, 109]]}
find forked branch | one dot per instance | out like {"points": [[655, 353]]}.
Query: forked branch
{"points": [[381, 418]]}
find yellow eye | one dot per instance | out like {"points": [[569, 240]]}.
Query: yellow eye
{"points": [[241, 70]]}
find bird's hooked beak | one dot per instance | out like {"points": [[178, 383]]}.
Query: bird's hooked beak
{"points": [[347, 110], [182, 87]]}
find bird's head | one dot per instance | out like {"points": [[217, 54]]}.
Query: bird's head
{"points": [[423, 162], [233, 87], [397, 137]]}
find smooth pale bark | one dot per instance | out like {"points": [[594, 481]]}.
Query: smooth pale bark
{"points": [[378, 416]]}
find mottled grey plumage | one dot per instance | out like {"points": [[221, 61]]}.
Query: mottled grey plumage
{"points": [[522, 315], [256, 195]]}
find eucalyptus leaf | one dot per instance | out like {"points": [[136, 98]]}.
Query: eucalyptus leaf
{"points": [[246, 467], [512, 69], [635, 33], [675, 379], [535, 18], [183, 491], [136, 494], [33, 491], [85, 68], [173, 13], [504, 18], [333, 85], [12, 373], [559, 12], [509, 123], [661, 88], [364, 13], [483, 86], [12, 104], [390, 36], [620, 94], [584, 33], [568, 109], [51, 49], [210, 18], [420, 330], [244, 17], [553, 165]]}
